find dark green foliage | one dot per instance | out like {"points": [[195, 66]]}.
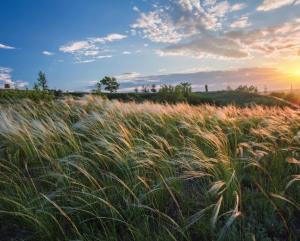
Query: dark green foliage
{"points": [[247, 89], [153, 88], [206, 88], [175, 94], [98, 87], [42, 83], [110, 84]]}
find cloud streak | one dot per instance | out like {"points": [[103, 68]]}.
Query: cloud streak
{"points": [[91, 49], [269, 5], [47, 53], [3, 46]]}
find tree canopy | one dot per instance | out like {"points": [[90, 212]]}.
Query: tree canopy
{"points": [[110, 84]]}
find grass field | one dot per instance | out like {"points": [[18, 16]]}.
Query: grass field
{"points": [[94, 169]]}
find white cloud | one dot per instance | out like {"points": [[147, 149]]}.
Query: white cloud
{"points": [[6, 78], [207, 47], [76, 46], [192, 28], [216, 29], [114, 37], [19, 84], [3, 46], [126, 52], [128, 77], [5, 75], [239, 6], [104, 56], [182, 19], [280, 39], [136, 9], [268, 5], [47, 53], [195, 70], [243, 22], [91, 49]]}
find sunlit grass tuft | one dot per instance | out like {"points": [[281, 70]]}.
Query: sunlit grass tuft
{"points": [[93, 169]]}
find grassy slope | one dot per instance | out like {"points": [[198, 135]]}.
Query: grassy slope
{"points": [[220, 98], [97, 170]]}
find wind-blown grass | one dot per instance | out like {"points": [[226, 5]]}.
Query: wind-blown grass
{"points": [[101, 170]]}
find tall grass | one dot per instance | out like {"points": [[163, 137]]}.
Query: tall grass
{"points": [[99, 170]]}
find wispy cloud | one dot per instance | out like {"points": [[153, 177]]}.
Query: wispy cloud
{"points": [[207, 47], [243, 22], [47, 53], [239, 6], [130, 77], [268, 5], [3, 46], [91, 49], [280, 39]]}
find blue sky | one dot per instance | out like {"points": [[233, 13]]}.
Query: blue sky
{"points": [[218, 42]]}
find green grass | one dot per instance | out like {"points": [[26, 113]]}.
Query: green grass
{"points": [[219, 98], [16, 95], [92, 169]]}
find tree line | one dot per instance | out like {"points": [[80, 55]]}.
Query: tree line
{"points": [[110, 84]]}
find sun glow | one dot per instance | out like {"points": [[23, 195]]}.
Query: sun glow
{"points": [[292, 70]]}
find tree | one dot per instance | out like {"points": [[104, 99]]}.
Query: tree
{"points": [[153, 88], [185, 88], [145, 89], [228, 88], [98, 87], [206, 88], [174, 94], [42, 82], [36, 86], [110, 84], [136, 90], [245, 88]]}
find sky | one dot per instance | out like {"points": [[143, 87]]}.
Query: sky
{"points": [[143, 42]]}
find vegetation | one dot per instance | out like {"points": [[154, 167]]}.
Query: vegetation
{"points": [[14, 95], [292, 97], [219, 98], [93, 169], [174, 94], [42, 83], [247, 89], [110, 84]]}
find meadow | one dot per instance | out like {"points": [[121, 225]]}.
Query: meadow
{"points": [[95, 169]]}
